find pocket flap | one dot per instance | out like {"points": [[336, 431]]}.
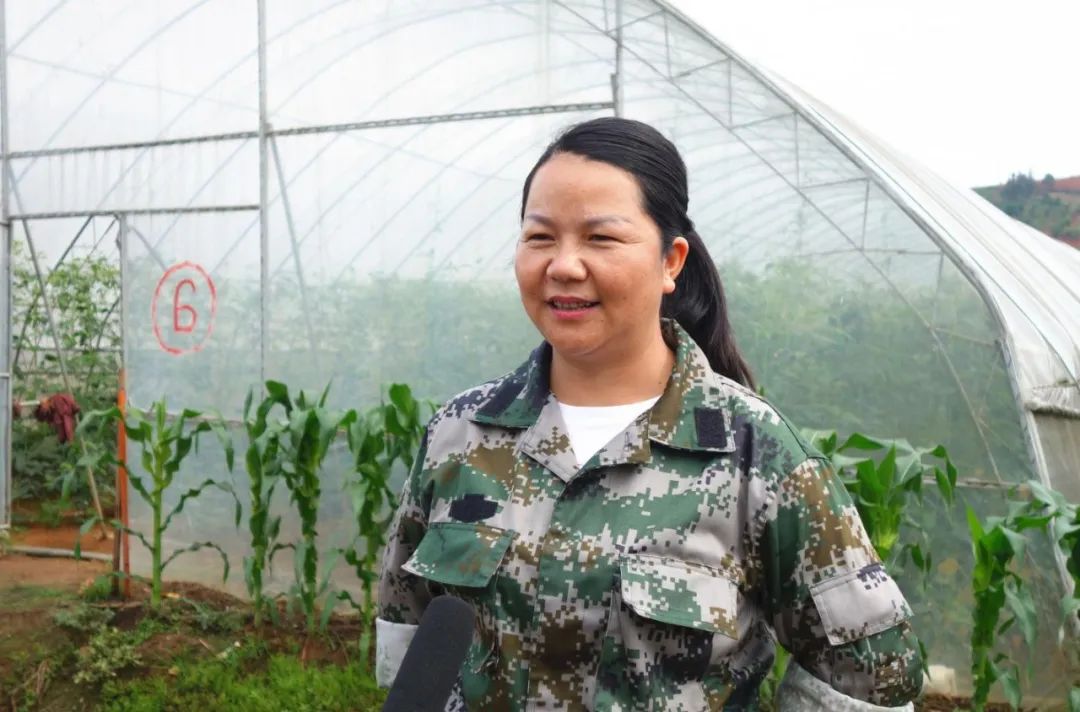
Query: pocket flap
{"points": [[680, 593], [858, 604], [459, 553]]}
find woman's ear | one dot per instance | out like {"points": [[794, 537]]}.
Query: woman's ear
{"points": [[674, 260]]}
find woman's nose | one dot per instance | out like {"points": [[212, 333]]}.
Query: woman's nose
{"points": [[566, 265]]}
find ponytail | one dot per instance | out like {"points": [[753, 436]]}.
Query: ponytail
{"points": [[699, 306]]}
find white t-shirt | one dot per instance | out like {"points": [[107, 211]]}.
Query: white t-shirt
{"points": [[592, 427]]}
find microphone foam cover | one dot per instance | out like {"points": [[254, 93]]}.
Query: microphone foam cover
{"points": [[430, 667]]}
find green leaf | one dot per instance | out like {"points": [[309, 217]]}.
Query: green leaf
{"points": [[973, 525], [279, 393], [858, 441], [401, 397], [196, 547], [886, 471], [327, 611], [1019, 600], [83, 530], [1011, 686], [917, 557], [1074, 699], [870, 487]]}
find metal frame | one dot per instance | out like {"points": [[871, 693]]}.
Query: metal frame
{"points": [[266, 136], [5, 306]]}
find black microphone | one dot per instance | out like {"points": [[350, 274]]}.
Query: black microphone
{"points": [[430, 667]]}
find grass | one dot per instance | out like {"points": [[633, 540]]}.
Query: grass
{"points": [[280, 682], [61, 652]]}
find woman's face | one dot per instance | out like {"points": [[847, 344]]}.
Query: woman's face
{"points": [[589, 263]]}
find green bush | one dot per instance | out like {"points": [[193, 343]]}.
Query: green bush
{"points": [[83, 291]]}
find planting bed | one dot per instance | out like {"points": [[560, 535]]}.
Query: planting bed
{"points": [[200, 651], [64, 646]]}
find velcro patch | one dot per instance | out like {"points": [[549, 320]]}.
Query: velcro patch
{"points": [[711, 431], [472, 508]]}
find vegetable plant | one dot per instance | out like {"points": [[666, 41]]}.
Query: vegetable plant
{"points": [[387, 434], [165, 444], [304, 442], [884, 488], [262, 464], [999, 590]]}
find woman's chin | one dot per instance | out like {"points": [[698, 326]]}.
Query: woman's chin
{"points": [[569, 345]]}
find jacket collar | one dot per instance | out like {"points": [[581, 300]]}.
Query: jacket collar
{"points": [[692, 413]]}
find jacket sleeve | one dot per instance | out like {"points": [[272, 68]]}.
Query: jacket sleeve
{"points": [[402, 597], [831, 603]]}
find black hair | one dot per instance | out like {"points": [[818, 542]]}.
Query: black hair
{"points": [[697, 303]]}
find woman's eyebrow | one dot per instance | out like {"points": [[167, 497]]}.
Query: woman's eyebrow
{"points": [[590, 222]]}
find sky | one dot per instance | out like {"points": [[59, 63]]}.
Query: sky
{"points": [[976, 90]]}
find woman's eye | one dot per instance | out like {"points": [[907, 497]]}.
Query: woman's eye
{"points": [[601, 238], [538, 237]]}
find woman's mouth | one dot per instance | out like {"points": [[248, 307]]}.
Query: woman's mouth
{"points": [[570, 307]]}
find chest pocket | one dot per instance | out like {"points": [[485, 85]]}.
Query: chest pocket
{"points": [[464, 556], [460, 554], [680, 593], [671, 623]]}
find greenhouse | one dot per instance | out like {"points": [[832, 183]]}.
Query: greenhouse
{"points": [[328, 192]]}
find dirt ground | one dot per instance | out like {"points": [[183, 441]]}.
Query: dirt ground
{"points": [[20, 570], [62, 537]]}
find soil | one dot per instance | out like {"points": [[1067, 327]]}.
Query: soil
{"points": [[943, 703], [197, 622], [62, 537], [32, 531], [55, 573]]}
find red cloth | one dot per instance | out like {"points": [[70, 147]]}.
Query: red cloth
{"points": [[59, 411]]}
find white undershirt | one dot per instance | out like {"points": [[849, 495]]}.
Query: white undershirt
{"points": [[592, 427]]}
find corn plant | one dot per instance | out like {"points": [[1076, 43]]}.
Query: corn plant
{"points": [[999, 591], [387, 434], [885, 489], [164, 444], [303, 443], [263, 469]]}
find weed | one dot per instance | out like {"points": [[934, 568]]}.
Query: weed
{"points": [[100, 589], [108, 652], [285, 684], [212, 620], [83, 618]]}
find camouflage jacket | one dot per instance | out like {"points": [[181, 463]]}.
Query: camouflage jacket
{"points": [[653, 576]]}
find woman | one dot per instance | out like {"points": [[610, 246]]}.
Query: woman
{"points": [[631, 521]]}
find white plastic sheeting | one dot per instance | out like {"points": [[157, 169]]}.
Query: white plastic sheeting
{"points": [[359, 229]]}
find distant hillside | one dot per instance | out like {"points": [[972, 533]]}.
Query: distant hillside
{"points": [[1051, 205]]}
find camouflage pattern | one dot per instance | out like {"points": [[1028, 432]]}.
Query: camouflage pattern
{"points": [[652, 577]]}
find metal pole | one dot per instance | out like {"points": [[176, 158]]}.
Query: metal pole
{"points": [[264, 227], [122, 558], [304, 304], [616, 78], [5, 306]]}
